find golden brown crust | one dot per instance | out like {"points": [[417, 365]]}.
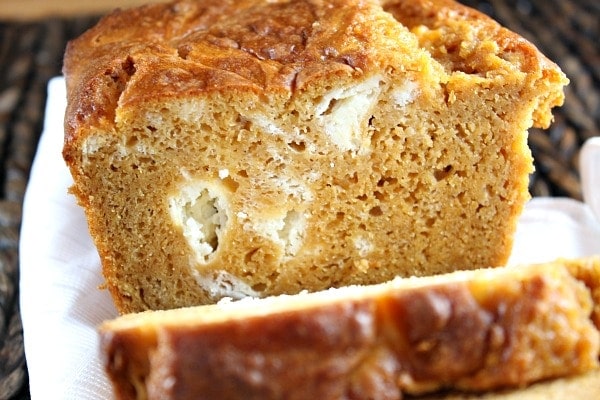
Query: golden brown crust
{"points": [[466, 40], [472, 331], [187, 47], [169, 36], [226, 148]]}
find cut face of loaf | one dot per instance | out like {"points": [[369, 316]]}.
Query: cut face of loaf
{"points": [[471, 330], [235, 148]]}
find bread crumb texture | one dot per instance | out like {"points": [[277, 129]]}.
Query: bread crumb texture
{"points": [[235, 148]]}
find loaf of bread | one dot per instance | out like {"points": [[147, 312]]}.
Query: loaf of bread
{"points": [[475, 330], [225, 148]]}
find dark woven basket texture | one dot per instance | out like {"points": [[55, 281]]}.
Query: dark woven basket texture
{"points": [[31, 53]]}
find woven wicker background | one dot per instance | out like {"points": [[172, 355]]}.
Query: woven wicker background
{"points": [[567, 31]]}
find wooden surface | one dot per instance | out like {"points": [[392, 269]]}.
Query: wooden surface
{"points": [[40, 9]]}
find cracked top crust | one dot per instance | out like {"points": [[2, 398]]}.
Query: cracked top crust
{"points": [[188, 47]]}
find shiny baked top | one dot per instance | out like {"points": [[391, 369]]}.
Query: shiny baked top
{"points": [[186, 47]]}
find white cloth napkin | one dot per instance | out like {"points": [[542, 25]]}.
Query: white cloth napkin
{"points": [[61, 305], [60, 301]]}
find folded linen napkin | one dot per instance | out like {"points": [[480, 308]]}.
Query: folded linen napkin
{"points": [[61, 305]]}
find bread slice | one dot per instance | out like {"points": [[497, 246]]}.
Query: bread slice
{"points": [[476, 331], [228, 148]]}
